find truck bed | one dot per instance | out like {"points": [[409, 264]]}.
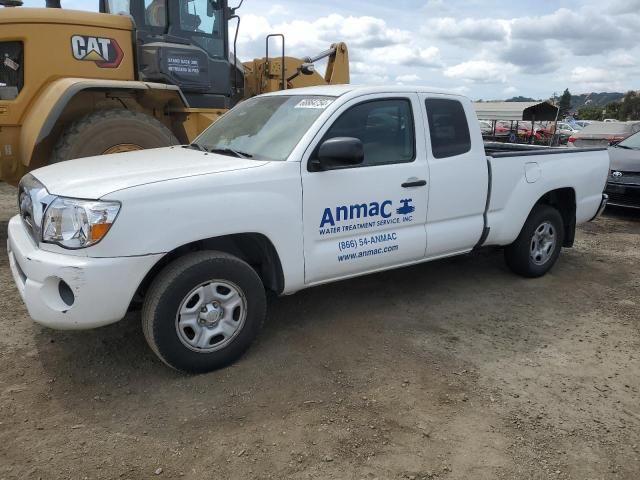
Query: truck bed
{"points": [[499, 150]]}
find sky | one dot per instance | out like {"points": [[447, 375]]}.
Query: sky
{"points": [[483, 48]]}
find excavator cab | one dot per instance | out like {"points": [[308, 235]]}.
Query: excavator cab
{"points": [[183, 43]]}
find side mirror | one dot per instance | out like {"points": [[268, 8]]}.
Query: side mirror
{"points": [[340, 151]]}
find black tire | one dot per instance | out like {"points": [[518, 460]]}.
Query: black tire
{"points": [[104, 130], [172, 287], [520, 256]]}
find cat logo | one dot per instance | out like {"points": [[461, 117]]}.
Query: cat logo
{"points": [[105, 52]]}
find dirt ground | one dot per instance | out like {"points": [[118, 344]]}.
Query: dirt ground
{"points": [[451, 370]]}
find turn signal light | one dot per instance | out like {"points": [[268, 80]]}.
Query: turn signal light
{"points": [[99, 230]]}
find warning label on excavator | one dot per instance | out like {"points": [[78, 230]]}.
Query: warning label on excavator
{"points": [[183, 65]]}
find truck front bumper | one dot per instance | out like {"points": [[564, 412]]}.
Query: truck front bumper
{"points": [[68, 292]]}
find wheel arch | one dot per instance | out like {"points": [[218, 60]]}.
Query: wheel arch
{"points": [[254, 248], [68, 99], [564, 200]]}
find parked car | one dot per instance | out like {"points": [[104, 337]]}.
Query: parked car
{"points": [[285, 192], [486, 127], [565, 128], [583, 123], [603, 134], [623, 186], [573, 123], [564, 131]]}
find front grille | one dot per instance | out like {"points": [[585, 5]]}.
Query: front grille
{"points": [[11, 69], [623, 195]]}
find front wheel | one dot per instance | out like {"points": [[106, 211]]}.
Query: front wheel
{"points": [[203, 311], [538, 246]]}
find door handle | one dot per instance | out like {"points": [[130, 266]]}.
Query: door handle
{"points": [[414, 183]]}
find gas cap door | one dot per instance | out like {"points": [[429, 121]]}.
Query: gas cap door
{"points": [[532, 172]]}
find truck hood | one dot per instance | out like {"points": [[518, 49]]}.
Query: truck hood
{"points": [[95, 177], [624, 160]]}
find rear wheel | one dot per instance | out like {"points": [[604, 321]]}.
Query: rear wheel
{"points": [[111, 131], [203, 311], [538, 246]]}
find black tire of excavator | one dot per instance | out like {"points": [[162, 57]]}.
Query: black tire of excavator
{"points": [[104, 130]]}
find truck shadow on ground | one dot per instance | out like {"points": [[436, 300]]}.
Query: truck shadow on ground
{"points": [[622, 213], [364, 302]]}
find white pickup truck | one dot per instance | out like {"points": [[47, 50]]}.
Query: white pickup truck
{"points": [[286, 191]]}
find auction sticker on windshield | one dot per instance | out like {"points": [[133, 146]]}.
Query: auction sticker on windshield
{"points": [[314, 103]]}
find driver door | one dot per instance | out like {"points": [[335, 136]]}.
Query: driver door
{"points": [[372, 216]]}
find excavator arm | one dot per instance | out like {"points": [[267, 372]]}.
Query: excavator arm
{"points": [[267, 74]]}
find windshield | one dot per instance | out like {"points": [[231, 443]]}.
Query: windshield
{"points": [[265, 128], [633, 142]]}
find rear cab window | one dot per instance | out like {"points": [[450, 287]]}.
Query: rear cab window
{"points": [[448, 127]]}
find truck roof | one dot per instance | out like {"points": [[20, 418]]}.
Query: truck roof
{"points": [[339, 90]]}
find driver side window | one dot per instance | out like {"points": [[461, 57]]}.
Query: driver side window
{"points": [[385, 128]]}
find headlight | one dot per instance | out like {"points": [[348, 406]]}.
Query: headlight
{"points": [[73, 223]]}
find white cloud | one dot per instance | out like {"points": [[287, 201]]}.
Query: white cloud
{"points": [[304, 37], [480, 71], [623, 7], [461, 90], [407, 55], [483, 29], [590, 79], [364, 68], [532, 57], [409, 78], [364, 32], [584, 32], [590, 75], [623, 60], [278, 10]]}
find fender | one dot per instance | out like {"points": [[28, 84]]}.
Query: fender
{"points": [[55, 98]]}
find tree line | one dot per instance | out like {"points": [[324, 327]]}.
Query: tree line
{"points": [[627, 109]]}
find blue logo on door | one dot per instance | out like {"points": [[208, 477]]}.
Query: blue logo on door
{"points": [[406, 207]]}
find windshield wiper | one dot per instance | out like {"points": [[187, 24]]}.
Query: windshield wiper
{"points": [[229, 151], [623, 146]]}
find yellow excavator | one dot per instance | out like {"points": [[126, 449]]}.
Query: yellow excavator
{"points": [[137, 74]]}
